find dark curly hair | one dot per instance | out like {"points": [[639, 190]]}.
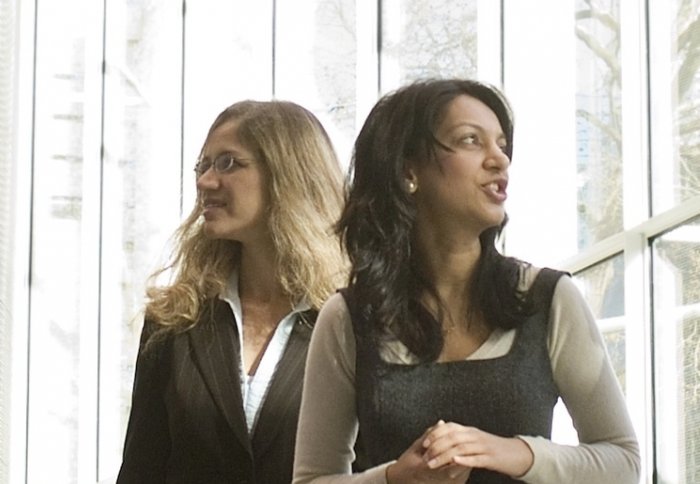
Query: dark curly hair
{"points": [[376, 225]]}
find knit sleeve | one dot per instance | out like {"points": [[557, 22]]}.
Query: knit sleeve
{"points": [[328, 419], [608, 451]]}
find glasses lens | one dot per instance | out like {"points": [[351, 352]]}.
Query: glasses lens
{"points": [[223, 163], [201, 167]]}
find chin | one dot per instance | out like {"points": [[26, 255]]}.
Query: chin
{"points": [[213, 232], [503, 219], [494, 223], [496, 220]]}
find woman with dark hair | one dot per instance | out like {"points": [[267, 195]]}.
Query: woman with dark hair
{"points": [[219, 372], [443, 359]]}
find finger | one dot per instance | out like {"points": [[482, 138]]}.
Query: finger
{"points": [[448, 449], [446, 428], [426, 439], [438, 430], [418, 445], [462, 437], [442, 459]]}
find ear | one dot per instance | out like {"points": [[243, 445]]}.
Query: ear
{"points": [[410, 180]]}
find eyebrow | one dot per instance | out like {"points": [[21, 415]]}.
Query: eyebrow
{"points": [[476, 126], [226, 151]]}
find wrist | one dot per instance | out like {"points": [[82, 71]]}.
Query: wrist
{"points": [[525, 457], [389, 474]]}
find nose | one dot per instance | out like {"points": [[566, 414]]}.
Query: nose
{"points": [[208, 180], [496, 158]]}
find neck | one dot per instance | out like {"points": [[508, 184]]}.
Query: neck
{"points": [[258, 276], [448, 264]]}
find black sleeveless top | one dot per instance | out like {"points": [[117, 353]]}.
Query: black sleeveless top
{"points": [[509, 395]]}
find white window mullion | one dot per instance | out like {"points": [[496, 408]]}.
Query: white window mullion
{"points": [[668, 460], [21, 239], [91, 243], [662, 103], [635, 205], [638, 341], [635, 129], [391, 19]]}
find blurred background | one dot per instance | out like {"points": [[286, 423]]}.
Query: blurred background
{"points": [[104, 105]]}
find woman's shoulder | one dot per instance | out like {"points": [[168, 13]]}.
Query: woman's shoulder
{"points": [[155, 337], [335, 310], [333, 333], [529, 273], [212, 311]]}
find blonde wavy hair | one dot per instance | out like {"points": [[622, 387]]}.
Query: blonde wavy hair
{"points": [[306, 196]]}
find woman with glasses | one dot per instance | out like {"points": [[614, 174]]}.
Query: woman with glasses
{"points": [[443, 359], [219, 372]]}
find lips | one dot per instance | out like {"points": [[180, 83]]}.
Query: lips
{"points": [[212, 203], [210, 206], [496, 189]]}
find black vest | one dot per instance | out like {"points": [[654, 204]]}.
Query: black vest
{"points": [[510, 395]]}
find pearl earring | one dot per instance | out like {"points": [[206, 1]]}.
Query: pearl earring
{"points": [[412, 186]]}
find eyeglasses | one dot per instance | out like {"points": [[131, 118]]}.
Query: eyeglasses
{"points": [[224, 163]]}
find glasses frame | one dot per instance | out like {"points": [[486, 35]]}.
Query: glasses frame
{"points": [[223, 163]]}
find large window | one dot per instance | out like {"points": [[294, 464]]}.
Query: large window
{"points": [[675, 167], [677, 335], [119, 97], [105, 106], [604, 185]]}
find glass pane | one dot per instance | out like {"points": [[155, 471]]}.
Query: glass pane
{"points": [[427, 39], [141, 192], [676, 299], [542, 195], [598, 121], [315, 59], [228, 58], [675, 84], [7, 137], [603, 286], [57, 213]]}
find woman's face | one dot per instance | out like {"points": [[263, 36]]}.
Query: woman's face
{"points": [[466, 188], [234, 204]]}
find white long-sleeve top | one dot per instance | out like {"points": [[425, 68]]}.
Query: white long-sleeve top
{"points": [[608, 452]]}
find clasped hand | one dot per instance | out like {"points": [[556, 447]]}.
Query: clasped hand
{"points": [[447, 453]]}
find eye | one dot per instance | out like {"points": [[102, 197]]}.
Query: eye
{"points": [[226, 162], [469, 139]]}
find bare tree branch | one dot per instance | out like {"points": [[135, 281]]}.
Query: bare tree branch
{"points": [[603, 17], [604, 54]]}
